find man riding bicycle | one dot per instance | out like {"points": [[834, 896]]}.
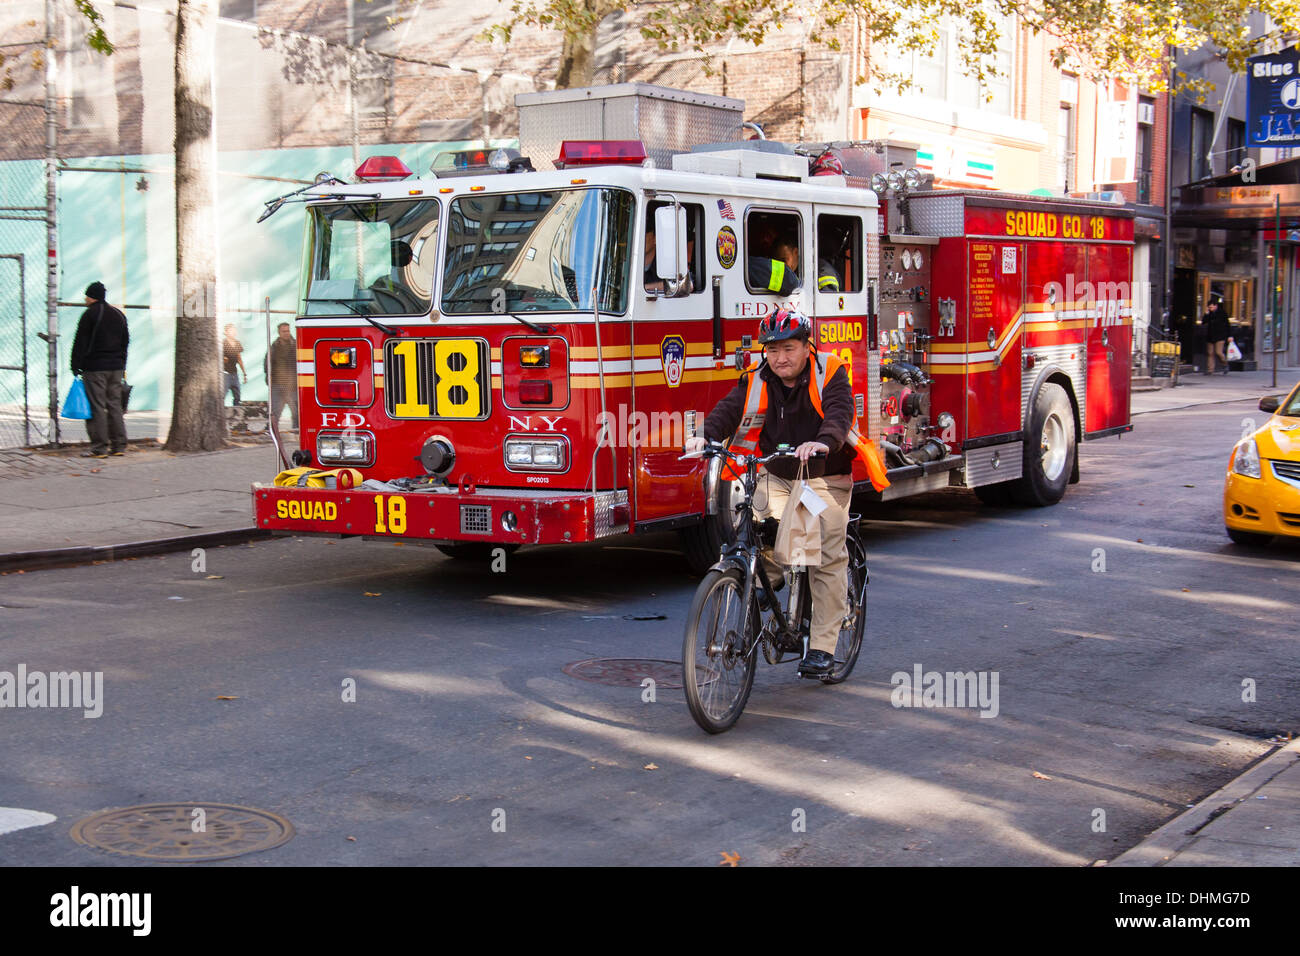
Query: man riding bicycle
{"points": [[798, 398]]}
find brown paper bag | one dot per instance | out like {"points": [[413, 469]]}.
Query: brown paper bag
{"points": [[799, 538]]}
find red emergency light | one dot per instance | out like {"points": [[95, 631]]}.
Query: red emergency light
{"points": [[597, 152], [378, 169]]}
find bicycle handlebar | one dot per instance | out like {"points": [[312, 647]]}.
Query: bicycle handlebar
{"points": [[716, 449]]}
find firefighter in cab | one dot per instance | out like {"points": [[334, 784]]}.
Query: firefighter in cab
{"points": [[796, 397]]}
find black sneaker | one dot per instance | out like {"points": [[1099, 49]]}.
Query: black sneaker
{"points": [[816, 664], [94, 454]]}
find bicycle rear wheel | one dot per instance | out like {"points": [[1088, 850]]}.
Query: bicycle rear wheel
{"points": [[855, 617], [718, 651]]}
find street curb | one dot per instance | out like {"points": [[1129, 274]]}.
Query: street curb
{"points": [[1183, 830], [1181, 408], [63, 557]]}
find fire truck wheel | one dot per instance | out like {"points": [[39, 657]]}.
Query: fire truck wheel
{"points": [[703, 542], [1049, 449], [475, 550]]}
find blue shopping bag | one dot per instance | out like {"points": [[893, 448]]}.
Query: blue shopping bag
{"points": [[77, 405]]}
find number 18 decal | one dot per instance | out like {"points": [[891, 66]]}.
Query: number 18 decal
{"points": [[436, 378], [393, 519]]}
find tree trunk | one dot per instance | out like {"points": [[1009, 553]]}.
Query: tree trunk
{"points": [[198, 418], [578, 55]]}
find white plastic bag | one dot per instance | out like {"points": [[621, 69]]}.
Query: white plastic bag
{"points": [[1234, 353]]}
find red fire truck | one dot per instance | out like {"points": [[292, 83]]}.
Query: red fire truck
{"points": [[506, 356]]}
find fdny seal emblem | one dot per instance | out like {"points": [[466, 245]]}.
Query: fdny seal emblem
{"points": [[672, 352], [727, 246]]}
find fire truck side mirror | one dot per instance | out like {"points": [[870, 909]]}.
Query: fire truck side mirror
{"points": [[670, 243]]}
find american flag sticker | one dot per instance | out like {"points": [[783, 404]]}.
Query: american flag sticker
{"points": [[725, 210]]}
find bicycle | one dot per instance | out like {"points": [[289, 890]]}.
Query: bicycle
{"points": [[726, 624]]}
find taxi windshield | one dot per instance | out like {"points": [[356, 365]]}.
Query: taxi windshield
{"points": [[1292, 407], [537, 251], [369, 258]]}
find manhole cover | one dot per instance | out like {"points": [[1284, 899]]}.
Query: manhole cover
{"points": [[173, 831], [626, 672]]}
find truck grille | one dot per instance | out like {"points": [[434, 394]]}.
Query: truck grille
{"points": [[475, 519]]}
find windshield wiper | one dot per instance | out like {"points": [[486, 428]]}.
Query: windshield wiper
{"points": [[386, 329], [539, 329]]}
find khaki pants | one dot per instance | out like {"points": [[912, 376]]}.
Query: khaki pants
{"points": [[828, 581], [1213, 350]]}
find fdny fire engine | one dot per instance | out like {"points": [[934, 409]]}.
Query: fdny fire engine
{"points": [[496, 355]]}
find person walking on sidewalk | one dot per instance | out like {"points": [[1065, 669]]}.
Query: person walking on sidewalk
{"points": [[232, 359], [283, 375], [99, 357], [1217, 331]]}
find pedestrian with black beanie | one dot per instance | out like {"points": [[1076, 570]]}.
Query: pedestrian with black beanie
{"points": [[99, 357]]}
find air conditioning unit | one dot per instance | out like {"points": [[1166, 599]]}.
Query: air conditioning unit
{"points": [[1147, 113]]}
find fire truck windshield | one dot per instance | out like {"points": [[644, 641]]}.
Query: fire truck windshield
{"points": [[369, 258], [537, 251]]}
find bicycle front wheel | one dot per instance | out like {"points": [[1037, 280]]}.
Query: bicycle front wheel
{"points": [[718, 651], [855, 616]]}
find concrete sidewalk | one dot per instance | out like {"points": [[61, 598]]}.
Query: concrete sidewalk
{"points": [[1196, 388], [1253, 821], [59, 508]]}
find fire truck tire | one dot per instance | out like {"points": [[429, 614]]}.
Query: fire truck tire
{"points": [[703, 542], [474, 550], [1049, 449]]}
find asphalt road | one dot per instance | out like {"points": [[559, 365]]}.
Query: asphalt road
{"points": [[1119, 691]]}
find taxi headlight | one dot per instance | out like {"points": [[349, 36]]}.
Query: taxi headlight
{"points": [[1246, 460]]}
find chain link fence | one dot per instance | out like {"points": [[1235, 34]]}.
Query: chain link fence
{"points": [[24, 366]]}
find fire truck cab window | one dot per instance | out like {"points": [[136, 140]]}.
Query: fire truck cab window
{"points": [[839, 254], [537, 252], [369, 258], [694, 250], [774, 263]]}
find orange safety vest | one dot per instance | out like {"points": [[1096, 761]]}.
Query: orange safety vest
{"points": [[745, 441]]}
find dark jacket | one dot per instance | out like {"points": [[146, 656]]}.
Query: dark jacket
{"points": [[791, 418], [101, 341], [1216, 325]]}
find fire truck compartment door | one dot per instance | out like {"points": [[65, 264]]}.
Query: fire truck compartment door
{"points": [[995, 322], [1110, 338]]}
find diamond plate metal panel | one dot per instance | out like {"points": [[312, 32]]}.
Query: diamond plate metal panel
{"points": [[873, 393], [1076, 368], [995, 463], [937, 215], [667, 121], [606, 505]]}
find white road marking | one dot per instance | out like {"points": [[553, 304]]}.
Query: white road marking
{"points": [[15, 818]]}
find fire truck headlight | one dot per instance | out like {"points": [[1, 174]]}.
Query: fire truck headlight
{"points": [[536, 455], [354, 448], [1246, 460], [546, 455]]}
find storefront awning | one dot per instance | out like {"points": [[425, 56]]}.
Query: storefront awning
{"points": [[1226, 202]]}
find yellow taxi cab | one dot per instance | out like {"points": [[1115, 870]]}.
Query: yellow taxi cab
{"points": [[1261, 496]]}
